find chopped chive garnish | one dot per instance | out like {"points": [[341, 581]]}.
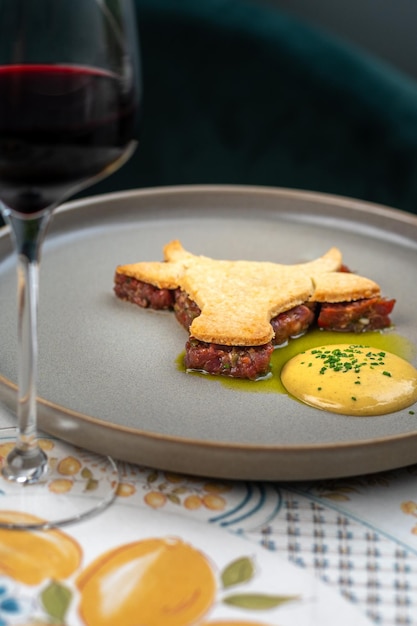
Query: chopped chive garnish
{"points": [[346, 360]]}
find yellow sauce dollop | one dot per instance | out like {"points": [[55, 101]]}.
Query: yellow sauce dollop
{"points": [[351, 379]]}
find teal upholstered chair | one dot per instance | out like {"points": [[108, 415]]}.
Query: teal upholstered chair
{"points": [[236, 92]]}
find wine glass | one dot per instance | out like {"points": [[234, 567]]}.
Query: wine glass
{"points": [[69, 99]]}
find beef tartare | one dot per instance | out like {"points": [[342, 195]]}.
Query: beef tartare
{"points": [[321, 294]]}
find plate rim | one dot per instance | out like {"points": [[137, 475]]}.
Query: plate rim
{"points": [[361, 206]]}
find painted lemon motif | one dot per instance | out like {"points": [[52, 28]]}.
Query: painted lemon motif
{"points": [[32, 556], [155, 499], [5, 448], [60, 485], [214, 502], [125, 490], [193, 502], [69, 466], [157, 582]]}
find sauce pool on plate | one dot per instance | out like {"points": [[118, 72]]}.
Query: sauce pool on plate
{"points": [[351, 379]]}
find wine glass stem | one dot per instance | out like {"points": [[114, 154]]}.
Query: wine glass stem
{"points": [[27, 462]]}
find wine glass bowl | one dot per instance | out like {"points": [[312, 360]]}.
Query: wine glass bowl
{"points": [[68, 107], [70, 95]]}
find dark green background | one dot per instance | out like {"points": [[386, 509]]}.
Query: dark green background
{"points": [[236, 92]]}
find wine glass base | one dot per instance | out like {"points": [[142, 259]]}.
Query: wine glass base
{"points": [[77, 484]]}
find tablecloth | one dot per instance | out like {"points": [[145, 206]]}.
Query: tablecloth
{"points": [[176, 549]]}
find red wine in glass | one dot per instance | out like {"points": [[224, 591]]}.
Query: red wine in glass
{"points": [[60, 126]]}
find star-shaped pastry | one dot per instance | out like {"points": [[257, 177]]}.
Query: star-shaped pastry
{"points": [[238, 299]]}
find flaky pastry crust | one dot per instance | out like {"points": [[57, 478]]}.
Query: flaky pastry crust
{"points": [[238, 299]]}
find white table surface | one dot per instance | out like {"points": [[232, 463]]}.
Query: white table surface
{"points": [[347, 549]]}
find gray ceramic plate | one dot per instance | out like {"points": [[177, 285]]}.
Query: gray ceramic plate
{"points": [[108, 374]]}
